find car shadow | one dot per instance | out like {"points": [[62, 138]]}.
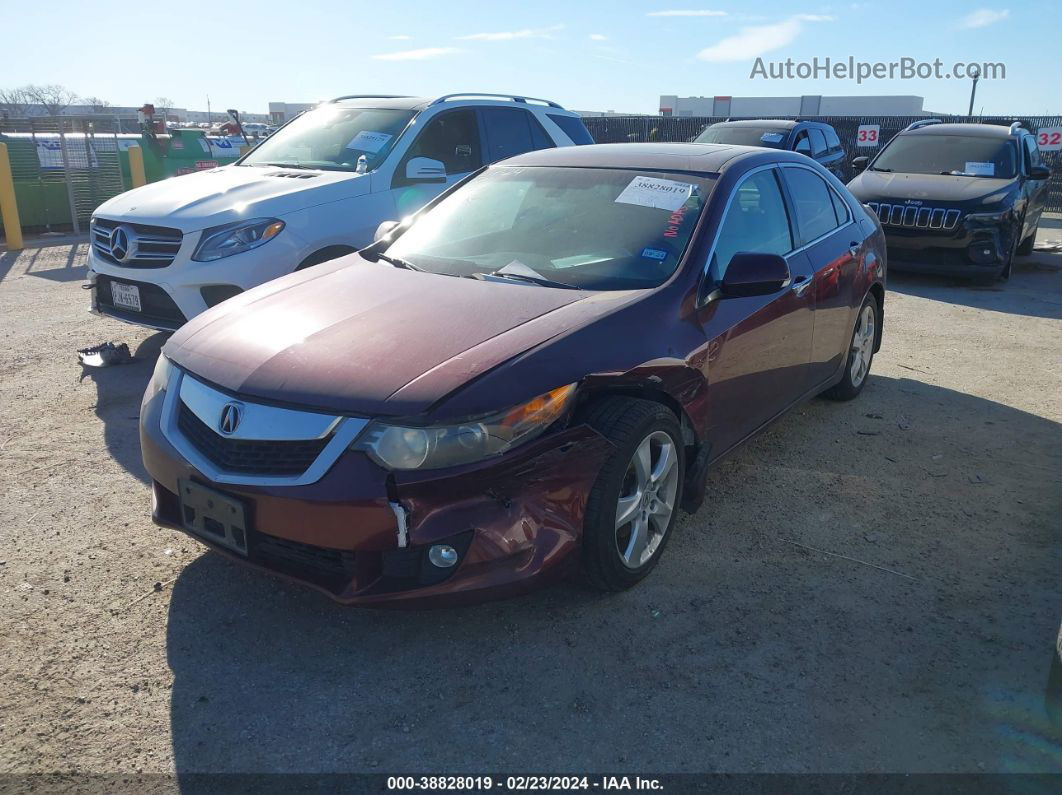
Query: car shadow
{"points": [[1034, 288], [119, 390], [741, 651]]}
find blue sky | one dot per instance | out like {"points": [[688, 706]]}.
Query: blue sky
{"points": [[591, 55]]}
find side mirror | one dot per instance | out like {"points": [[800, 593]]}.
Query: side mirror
{"points": [[383, 230], [754, 274], [860, 163], [1039, 172], [424, 169]]}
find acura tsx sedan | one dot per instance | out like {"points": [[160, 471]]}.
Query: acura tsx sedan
{"points": [[527, 378]]}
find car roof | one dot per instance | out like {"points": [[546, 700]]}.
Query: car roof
{"points": [[979, 130], [759, 124], [420, 103], [692, 157]]}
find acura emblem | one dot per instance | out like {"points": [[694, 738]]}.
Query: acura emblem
{"points": [[122, 243], [231, 415]]}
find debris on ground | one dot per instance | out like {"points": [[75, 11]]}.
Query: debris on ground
{"points": [[105, 354]]}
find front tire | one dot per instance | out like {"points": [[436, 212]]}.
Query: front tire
{"points": [[634, 502], [860, 354]]}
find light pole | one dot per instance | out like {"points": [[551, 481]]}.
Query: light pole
{"points": [[975, 73]]}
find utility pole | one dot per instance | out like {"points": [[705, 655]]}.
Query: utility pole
{"points": [[976, 75], [209, 119]]}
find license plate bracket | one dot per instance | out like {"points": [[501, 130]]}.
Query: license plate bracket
{"points": [[126, 296], [213, 516]]}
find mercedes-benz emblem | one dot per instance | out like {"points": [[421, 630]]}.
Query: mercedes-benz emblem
{"points": [[231, 415], [123, 243]]}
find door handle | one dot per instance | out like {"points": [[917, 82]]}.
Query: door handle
{"points": [[800, 284]]}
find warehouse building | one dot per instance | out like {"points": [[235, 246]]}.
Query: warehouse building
{"points": [[807, 105]]}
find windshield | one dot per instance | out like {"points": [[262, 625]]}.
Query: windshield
{"points": [[590, 228], [961, 155], [742, 136], [332, 137]]}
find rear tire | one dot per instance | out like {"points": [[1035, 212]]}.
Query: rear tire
{"points": [[633, 504], [860, 354]]}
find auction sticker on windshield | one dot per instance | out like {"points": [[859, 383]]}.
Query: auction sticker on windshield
{"points": [[664, 194], [368, 141], [980, 169], [771, 138]]}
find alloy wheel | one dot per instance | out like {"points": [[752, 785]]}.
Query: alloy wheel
{"points": [[647, 499], [862, 345]]}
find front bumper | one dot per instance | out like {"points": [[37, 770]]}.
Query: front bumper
{"points": [[174, 294], [516, 521], [973, 248]]}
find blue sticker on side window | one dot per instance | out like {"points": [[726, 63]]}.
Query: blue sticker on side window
{"points": [[654, 253]]}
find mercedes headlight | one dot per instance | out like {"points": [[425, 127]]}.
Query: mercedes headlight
{"points": [[437, 446], [228, 239]]}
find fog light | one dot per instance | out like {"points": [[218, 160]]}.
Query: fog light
{"points": [[442, 555]]}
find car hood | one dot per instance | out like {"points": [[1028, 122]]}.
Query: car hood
{"points": [[880, 186], [349, 335], [231, 193]]}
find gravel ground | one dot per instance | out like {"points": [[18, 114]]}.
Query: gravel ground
{"points": [[915, 636]]}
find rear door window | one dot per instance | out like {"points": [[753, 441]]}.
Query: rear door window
{"points": [[572, 127], [832, 141], [813, 202], [818, 142], [508, 132]]}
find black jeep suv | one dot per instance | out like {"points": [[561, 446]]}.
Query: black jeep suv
{"points": [[815, 139], [956, 199]]}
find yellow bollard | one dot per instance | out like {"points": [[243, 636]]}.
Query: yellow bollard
{"points": [[8, 205], [136, 166]]}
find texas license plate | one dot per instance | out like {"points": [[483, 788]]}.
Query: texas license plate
{"points": [[213, 516], [126, 296]]}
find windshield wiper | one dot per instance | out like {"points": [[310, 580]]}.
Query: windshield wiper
{"points": [[523, 277], [875, 168], [398, 263]]}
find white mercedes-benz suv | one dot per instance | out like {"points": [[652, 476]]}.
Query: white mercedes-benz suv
{"points": [[314, 190]]}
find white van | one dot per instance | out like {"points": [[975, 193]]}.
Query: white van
{"points": [[314, 190]]}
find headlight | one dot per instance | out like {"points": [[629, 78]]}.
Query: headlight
{"points": [[224, 241], [437, 446], [160, 378], [989, 218]]}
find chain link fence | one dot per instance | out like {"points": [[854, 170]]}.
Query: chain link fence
{"points": [[626, 129], [63, 167]]}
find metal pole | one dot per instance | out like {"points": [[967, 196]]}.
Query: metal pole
{"points": [[8, 203], [69, 177]]}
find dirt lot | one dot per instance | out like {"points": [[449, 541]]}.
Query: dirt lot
{"points": [[128, 648]]}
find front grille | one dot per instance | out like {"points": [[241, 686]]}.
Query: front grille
{"points": [[940, 218], [157, 308], [248, 456], [330, 568], [155, 246]]}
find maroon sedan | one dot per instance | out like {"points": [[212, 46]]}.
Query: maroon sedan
{"points": [[530, 376]]}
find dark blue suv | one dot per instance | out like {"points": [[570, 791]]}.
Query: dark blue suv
{"points": [[815, 139]]}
